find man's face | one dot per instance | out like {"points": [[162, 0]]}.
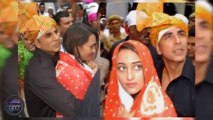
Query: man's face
{"points": [[49, 41], [203, 40], [50, 11], [28, 44], [65, 22], [144, 35], [5, 39], [191, 47], [133, 33], [191, 22], [95, 24], [42, 8], [115, 26], [3, 35], [173, 45]]}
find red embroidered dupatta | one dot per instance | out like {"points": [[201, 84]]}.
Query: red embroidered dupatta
{"points": [[151, 101], [74, 78]]}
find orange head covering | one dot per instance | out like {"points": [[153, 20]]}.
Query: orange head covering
{"points": [[9, 17], [203, 10], [37, 26], [5, 3], [162, 21], [148, 8], [151, 101], [26, 10]]}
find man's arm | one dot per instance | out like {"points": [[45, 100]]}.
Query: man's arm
{"points": [[44, 85]]}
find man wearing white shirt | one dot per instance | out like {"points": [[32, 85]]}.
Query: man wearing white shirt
{"points": [[42, 9]]}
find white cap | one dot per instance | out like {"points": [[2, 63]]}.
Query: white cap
{"points": [[131, 18], [183, 18], [91, 8], [205, 4], [50, 7], [102, 19], [162, 32]]}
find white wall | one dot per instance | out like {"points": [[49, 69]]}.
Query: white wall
{"points": [[117, 8]]}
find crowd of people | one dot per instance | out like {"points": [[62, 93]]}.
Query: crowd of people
{"points": [[78, 63]]}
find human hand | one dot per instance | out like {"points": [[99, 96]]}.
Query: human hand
{"points": [[93, 65], [124, 113]]}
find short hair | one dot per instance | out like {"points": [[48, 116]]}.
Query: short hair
{"points": [[192, 31], [42, 3], [60, 15], [77, 35], [81, 6]]}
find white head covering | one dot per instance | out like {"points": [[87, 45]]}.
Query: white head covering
{"points": [[50, 7], [162, 32], [92, 9], [178, 16], [183, 18], [205, 4], [131, 18]]}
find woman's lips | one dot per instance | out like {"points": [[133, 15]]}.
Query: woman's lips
{"points": [[91, 56], [131, 85]]}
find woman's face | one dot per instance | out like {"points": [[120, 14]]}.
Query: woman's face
{"points": [[88, 49], [129, 71]]}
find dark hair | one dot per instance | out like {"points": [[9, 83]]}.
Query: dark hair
{"points": [[77, 35], [42, 3], [192, 31], [60, 15], [128, 46], [80, 6]]}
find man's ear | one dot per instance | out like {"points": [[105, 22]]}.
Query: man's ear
{"points": [[158, 49], [37, 43]]}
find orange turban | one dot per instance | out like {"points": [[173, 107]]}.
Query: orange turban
{"points": [[162, 21], [5, 3], [150, 7], [37, 26], [26, 10], [9, 17], [203, 10]]}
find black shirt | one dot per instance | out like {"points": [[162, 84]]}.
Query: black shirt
{"points": [[204, 96], [9, 82], [44, 95], [182, 91]]}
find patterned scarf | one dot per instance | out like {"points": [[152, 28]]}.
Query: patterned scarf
{"points": [[74, 78], [152, 101]]}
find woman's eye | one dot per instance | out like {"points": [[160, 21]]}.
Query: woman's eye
{"points": [[138, 67], [121, 68]]}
